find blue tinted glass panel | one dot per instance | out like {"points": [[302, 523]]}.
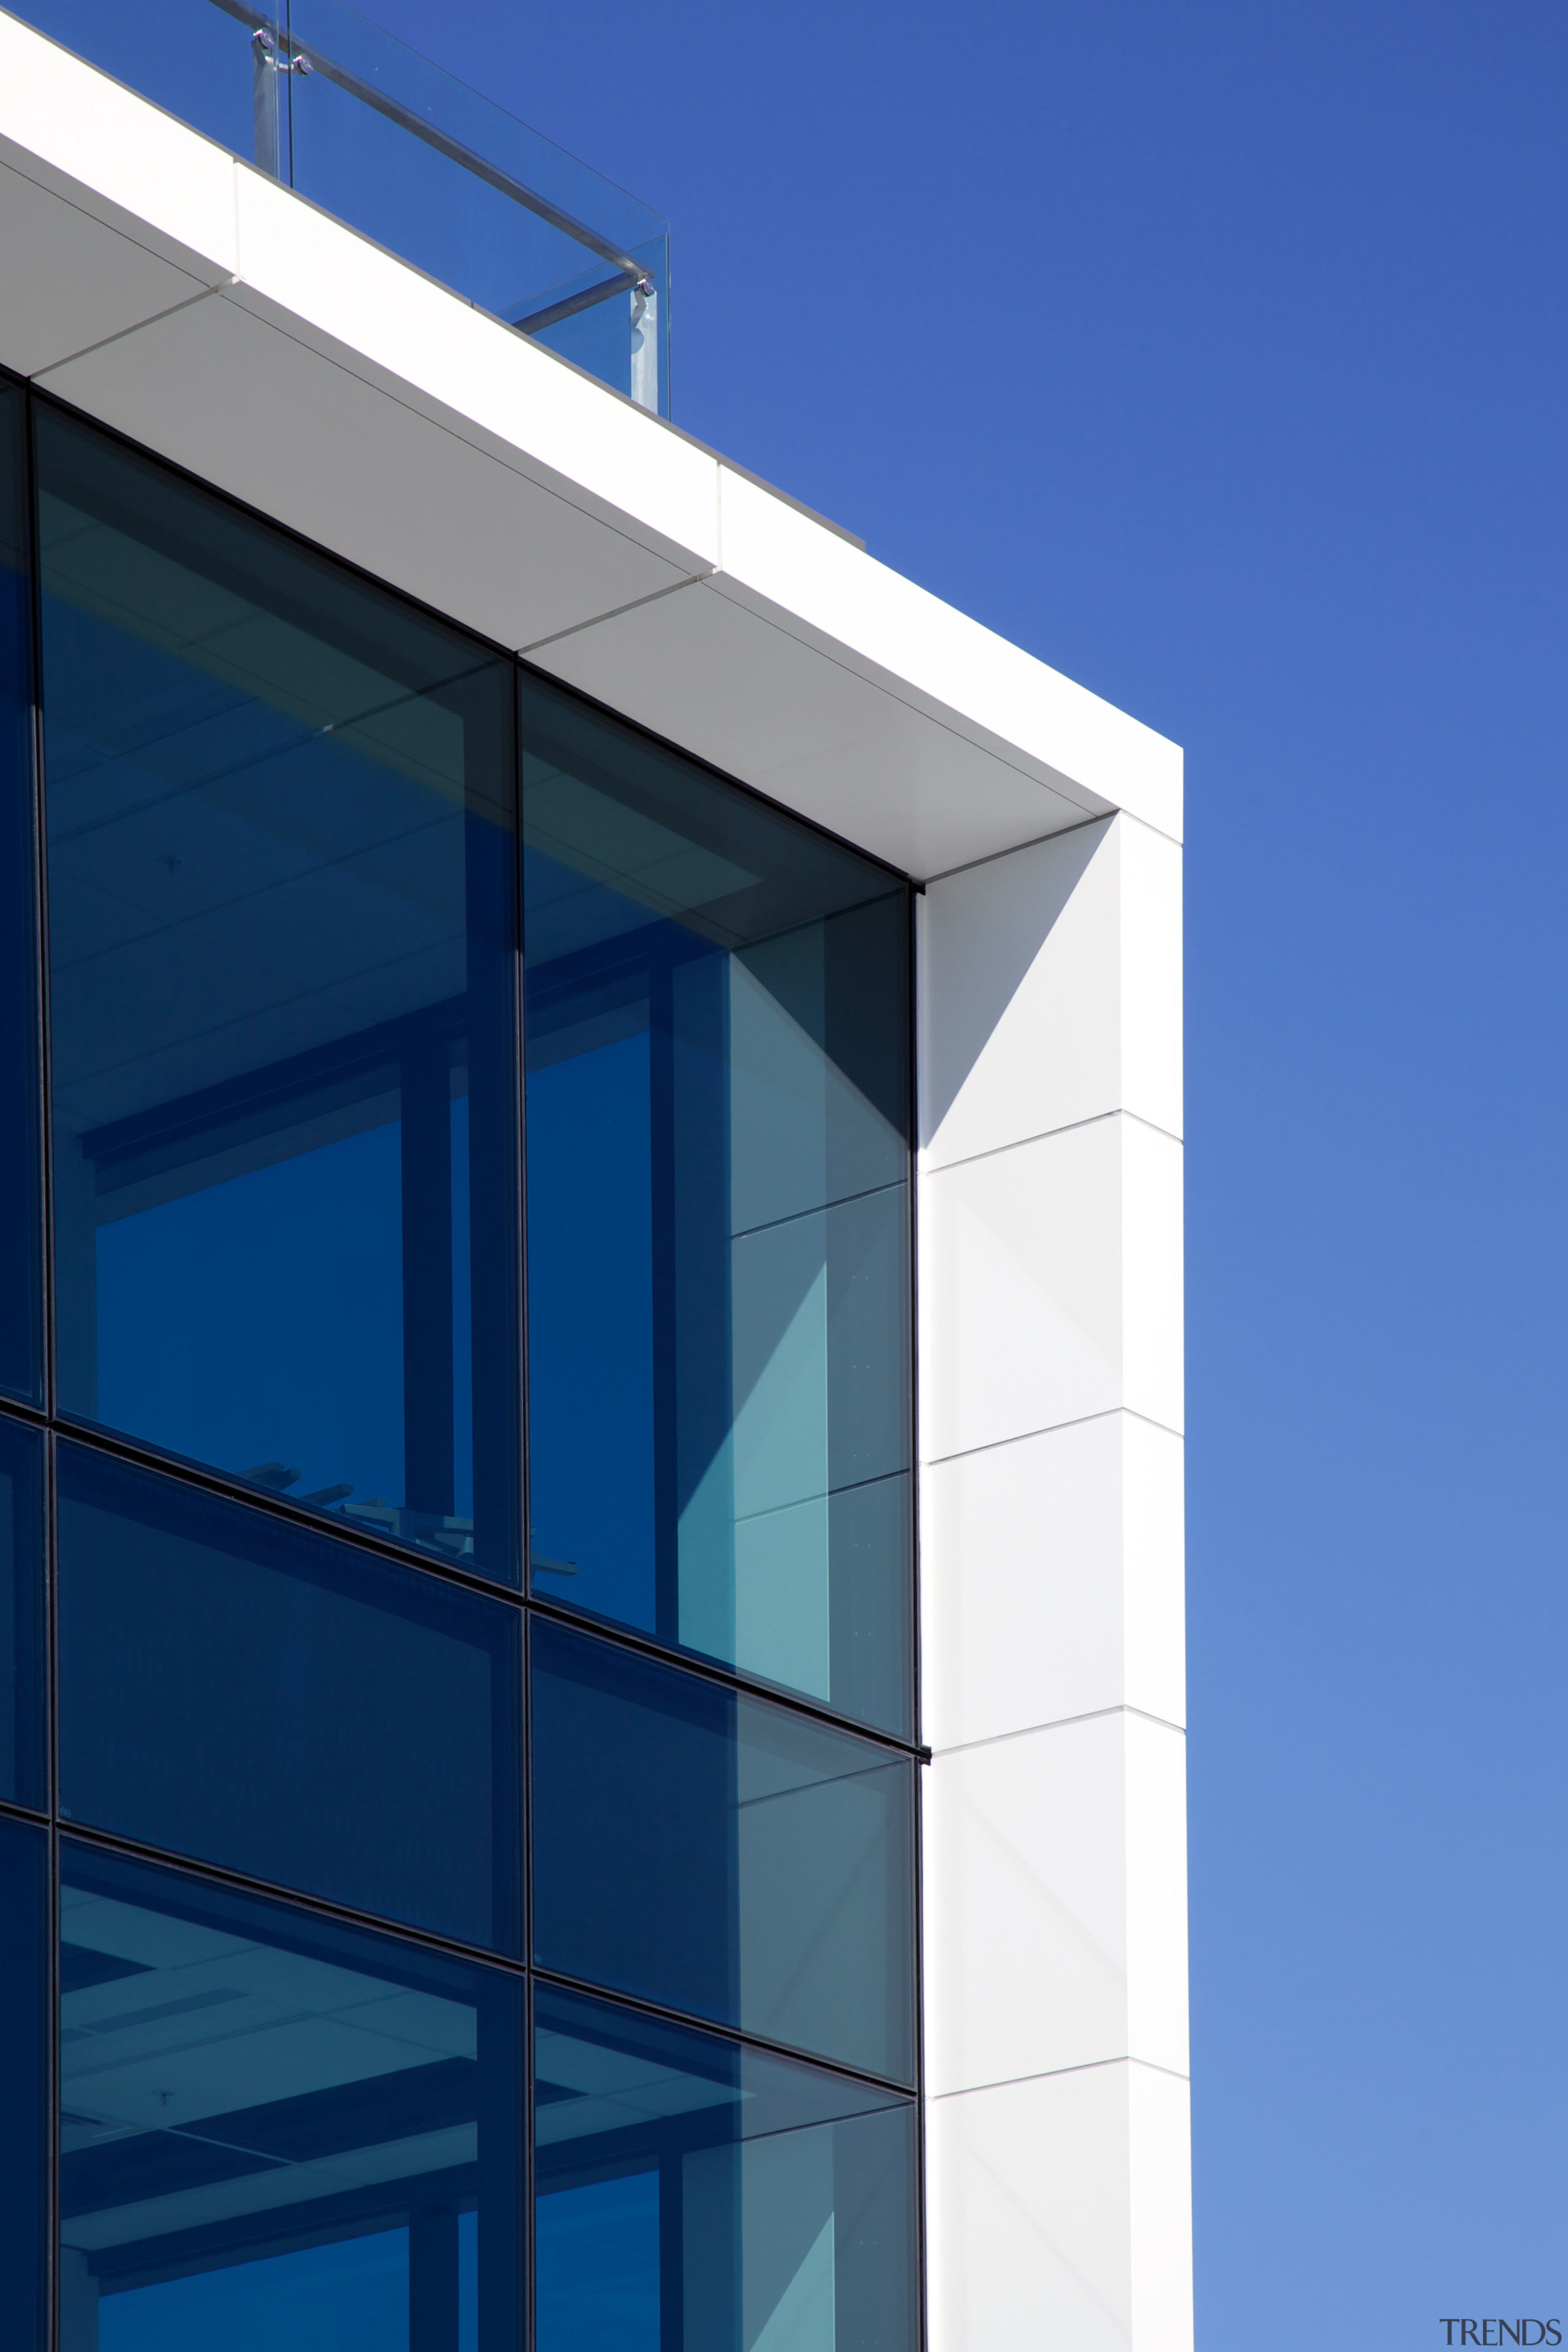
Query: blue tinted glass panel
{"points": [[278, 2131], [689, 2193], [22, 1710], [252, 1694], [717, 1031], [715, 1853], [24, 2030], [282, 928], [20, 1220]]}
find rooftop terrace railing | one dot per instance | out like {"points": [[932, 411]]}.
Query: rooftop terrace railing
{"points": [[332, 105]]}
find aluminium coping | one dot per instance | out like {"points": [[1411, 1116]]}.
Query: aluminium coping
{"points": [[155, 282]]}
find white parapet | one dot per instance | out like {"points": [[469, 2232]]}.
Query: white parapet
{"points": [[1055, 1882], [159, 284]]}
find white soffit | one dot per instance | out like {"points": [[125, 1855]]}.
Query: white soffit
{"points": [[180, 296]]}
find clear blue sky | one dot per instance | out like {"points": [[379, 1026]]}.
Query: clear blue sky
{"points": [[1216, 353]]}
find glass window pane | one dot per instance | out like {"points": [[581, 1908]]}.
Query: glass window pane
{"points": [[714, 1852], [717, 1156], [251, 1694], [23, 1758], [282, 938], [693, 2196], [21, 1371], [24, 2011], [275, 2130]]}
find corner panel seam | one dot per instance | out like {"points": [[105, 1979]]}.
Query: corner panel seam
{"points": [[692, 580], [153, 319], [1068, 1127], [1060, 1723], [1048, 1429], [1050, 2073]]}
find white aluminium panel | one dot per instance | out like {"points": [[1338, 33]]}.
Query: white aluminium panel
{"points": [[825, 590], [113, 156], [98, 282], [1053, 991], [1160, 2211], [310, 275], [1020, 1028], [1058, 2214], [285, 426], [95, 233], [725, 679], [1149, 979], [1051, 1285], [1052, 1683], [1056, 1920], [1051, 1581]]}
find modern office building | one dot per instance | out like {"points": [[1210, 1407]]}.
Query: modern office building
{"points": [[590, 1303]]}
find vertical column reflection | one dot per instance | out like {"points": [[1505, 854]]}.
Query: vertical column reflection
{"points": [[21, 1237], [427, 1196], [283, 937], [717, 1012], [693, 2196]]}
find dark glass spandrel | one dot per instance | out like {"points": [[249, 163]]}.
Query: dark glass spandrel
{"points": [[23, 1714], [275, 2131], [281, 857], [21, 1217], [23, 2053], [692, 2196], [715, 1853], [249, 1693], [717, 1026]]}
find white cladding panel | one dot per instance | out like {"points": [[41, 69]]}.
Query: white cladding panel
{"points": [[1072, 1599], [1058, 2215], [1055, 1923], [1055, 1874]]}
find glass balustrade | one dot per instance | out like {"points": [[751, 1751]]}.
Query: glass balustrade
{"points": [[323, 100]]}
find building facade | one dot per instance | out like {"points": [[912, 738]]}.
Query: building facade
{"points": [[590, 1321]]}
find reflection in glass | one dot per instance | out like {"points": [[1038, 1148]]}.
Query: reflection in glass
{"points": [[23, 2039], [276, 2131], [694, 2197], [717, 1853], [473, 229], [22, 1709], [20, 1219], [281, 940], [717, 1150], [249, 1694]]}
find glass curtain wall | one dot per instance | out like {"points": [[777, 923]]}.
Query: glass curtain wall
{"points": [[276, 2128], [690, 2193], [282, 936], [433, 1959], [718, 1855], [717, 1225]]}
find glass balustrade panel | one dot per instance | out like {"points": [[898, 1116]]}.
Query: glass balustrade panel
{"points": [[326, 100]]}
